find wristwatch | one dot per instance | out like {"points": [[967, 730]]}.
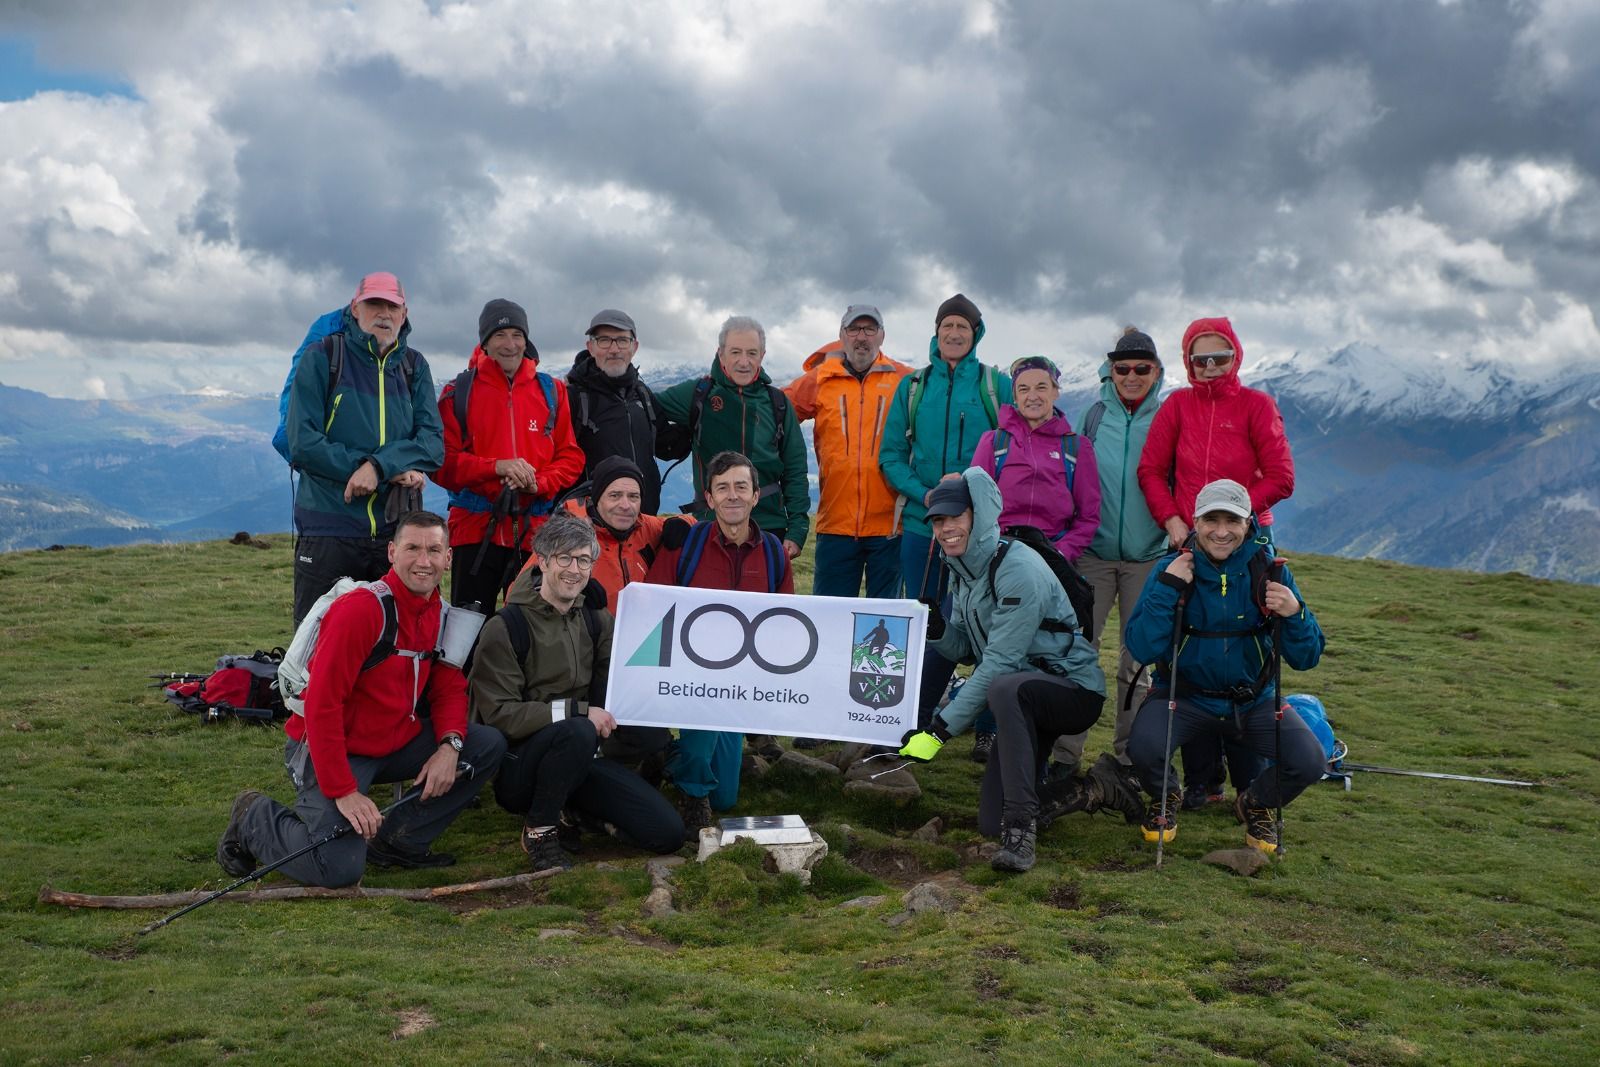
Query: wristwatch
{"points": [[453, 740]]}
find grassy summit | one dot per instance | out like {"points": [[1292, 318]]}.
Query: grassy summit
{"points": [[1411, 921]]}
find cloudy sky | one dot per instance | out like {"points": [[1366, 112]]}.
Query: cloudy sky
{"points": [[187, 184]]}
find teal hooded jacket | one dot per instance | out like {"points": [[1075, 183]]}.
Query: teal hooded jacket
{"points": [[1001, 632], [951, 416], [1127, 531]]}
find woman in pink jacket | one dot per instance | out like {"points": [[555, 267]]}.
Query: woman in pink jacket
{"points": [[1216, 428]]}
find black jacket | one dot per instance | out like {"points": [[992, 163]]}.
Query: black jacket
{"points": [[613, 417]]}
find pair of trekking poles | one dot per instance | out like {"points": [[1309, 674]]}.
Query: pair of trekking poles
{"points": [[462, 768], [1274, 573]]}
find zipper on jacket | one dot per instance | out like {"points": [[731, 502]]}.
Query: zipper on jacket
{"points": [[944, 446], [1122, 482]]}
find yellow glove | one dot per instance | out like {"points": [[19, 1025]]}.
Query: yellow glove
{"points": [[921, 746]]}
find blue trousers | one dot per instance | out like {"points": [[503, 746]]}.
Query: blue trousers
{"points": [[841, 562], [705, 763]]}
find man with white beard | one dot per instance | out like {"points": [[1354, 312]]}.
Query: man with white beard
{"points": [[614, 412]]}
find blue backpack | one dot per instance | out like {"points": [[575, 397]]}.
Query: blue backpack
{"points": [[694, 546], [1315, 716], [328, 326]]}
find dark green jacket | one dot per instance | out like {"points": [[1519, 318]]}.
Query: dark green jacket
{"points": [[371, 415], [515, 697], [740, 419]]}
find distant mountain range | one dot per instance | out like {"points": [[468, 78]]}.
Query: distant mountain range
{"points": [[1461, 465]]}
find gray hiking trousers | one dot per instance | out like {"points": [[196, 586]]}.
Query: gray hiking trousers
{"points": [[1031, 709]]}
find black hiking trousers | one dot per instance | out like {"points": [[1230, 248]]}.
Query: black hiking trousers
{"points": [[1031, 709], [319, 562], [556, 768], [1301, 758]]}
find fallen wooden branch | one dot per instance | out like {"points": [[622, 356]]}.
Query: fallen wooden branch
{"points": [[49, 895]]}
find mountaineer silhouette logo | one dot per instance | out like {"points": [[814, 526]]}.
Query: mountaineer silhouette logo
{"points": [[878, 659]]}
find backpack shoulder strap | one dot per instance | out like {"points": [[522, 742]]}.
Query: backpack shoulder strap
{"points": [[773, 548], [990, 393], [584, 420], [1069, 458], [408, 369], [780, 409], [516, 625], [1002, 445], [548, 385], [694, 546], [461, 392], [1091, 419], [391, 628], [697, 403], [335, 346], [919, 382], [994, 564]]}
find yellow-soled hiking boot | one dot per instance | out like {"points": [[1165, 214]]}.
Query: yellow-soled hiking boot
{"points": [[1260, 828], [1159, 828]]}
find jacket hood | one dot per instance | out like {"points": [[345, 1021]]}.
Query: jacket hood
{"points": [[972, 353], [484, 364], [585, 371], [985, 537], [1108, 385], [1014, 423], [1222, 328], [762, 378]]}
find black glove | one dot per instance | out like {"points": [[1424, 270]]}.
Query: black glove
{"points": [[935, 619], [674, 532]]}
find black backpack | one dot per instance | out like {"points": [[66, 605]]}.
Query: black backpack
{"points": [[594, 602], [1079, 592]]}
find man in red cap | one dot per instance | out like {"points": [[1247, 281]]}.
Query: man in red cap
{"points": [[362, 431]]}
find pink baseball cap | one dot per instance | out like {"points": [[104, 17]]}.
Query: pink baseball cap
{"points": [[380, 285]]}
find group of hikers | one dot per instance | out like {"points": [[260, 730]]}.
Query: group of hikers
{"points": [[927, 476]]}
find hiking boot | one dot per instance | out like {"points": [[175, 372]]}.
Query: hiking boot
{"points": [[232, 855], [383, 853], [1016, 848], [1154, 828], [543, 846], [1260, 827], [1066, 795], [809, 742], [569, 832], [1196, 797], [982, 744], [696, 814], [1118, 788]]}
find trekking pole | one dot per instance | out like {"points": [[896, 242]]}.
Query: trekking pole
{"points": [[925, 568], [1276, 570], [1172, 713], [462, 767]]}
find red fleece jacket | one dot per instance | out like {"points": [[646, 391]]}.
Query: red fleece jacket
{"points": [[1216, 429], [351, 713]]}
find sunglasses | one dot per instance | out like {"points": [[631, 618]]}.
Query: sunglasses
{"points": [[1214, 359], [1122, 370]]}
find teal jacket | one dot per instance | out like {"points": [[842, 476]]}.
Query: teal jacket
{"points": [[371, 415], [1000, 632], [1127, 531], [951, 416], [741, 419]]}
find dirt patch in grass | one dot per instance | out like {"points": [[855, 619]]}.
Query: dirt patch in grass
{"points": [[998, 952], [889, 865], [985, 984], [123, 950], [1110, 907], [887, 961], [412, 1021], [1256, 985], [1116, 863], [467, 903], [634, 937], [1095, 949], [1065, 895]]}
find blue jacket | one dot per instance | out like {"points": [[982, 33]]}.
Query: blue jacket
{"points": [[372, 416], [951, 416], [1001, 632], [1220, 602]]}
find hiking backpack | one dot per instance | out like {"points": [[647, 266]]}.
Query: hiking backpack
{"points": [[989, 394], [1091, 419], [635, 395], [516, 624], [694, 546], [1315, 716], [702, 389], [1080, 594], [460, 390], [1069, 455], [243, 686], [329, 332], [294, 673]]}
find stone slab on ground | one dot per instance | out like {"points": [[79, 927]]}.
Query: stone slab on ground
{"points": [[797, 859], [1245, 861]]}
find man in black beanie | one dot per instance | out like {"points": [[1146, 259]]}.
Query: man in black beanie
{"points": [[509, 452]]}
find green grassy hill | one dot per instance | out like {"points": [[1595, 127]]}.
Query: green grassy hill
{"points": [[1411, 921]]}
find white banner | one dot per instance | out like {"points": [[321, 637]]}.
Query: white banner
{"points": [[845, 668]]}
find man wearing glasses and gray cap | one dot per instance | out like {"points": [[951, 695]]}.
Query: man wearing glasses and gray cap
{"points": [[614, 412]]}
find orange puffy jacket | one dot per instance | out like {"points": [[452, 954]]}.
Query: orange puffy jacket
{"points": [[505, 420], [850, 413]]}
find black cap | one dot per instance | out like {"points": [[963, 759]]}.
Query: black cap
{"points": [[959, 305], [1134, 341], [950, 497], [609, 470], [499, 315]]}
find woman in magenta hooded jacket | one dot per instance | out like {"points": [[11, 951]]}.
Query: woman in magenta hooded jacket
{"points": [[1039, 463], [1216, 428]]}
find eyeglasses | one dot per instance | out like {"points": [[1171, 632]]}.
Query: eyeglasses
{"points": [[611, 342], [566, 559], [863, 330], [1122, 370], [1212, 359]]}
